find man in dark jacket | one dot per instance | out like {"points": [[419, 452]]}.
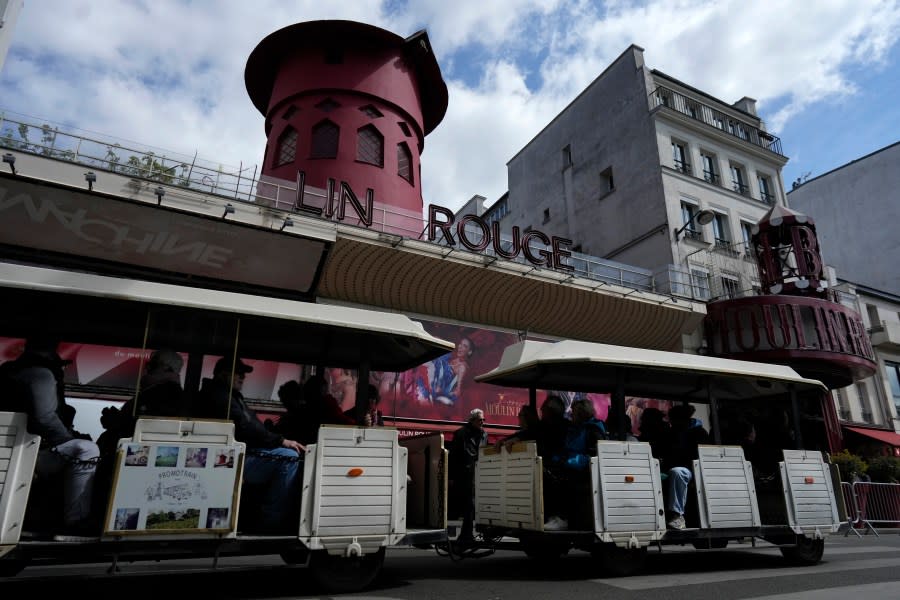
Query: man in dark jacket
{"points": [[36, 387], [677, 460], [272, 463], [463, 458]]}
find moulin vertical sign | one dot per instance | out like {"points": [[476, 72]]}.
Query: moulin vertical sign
{"points": [[796, 320]]}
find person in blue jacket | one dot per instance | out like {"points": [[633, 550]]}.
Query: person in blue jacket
{"points": [[569, 466]]}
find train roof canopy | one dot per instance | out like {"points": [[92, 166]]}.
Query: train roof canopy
{"points": [[590, 367], [82, 307]]}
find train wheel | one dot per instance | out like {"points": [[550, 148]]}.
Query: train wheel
{"points": [[807, 552], [544, 552], [11, 567], [341, 574], [714, 544], [621, 562], [295, 556]]}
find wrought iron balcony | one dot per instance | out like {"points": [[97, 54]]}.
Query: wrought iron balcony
{"points": [[682, 166], [741, 188], [767, 197], [693, 234], [711, 177], [672, 100]]}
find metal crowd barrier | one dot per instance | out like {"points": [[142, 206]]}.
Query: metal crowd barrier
{"points": [[870, 504]]}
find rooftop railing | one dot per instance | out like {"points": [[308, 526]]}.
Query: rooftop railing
{"points": [[669, 98], [242, 184]]}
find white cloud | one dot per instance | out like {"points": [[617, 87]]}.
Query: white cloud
{"points": [[169, 74]]}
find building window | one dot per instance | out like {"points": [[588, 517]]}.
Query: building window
{"points": [[287, 147], [843, 405], [334, 56], [688, 212], [662, 97], [756, 287], [892, 371], [721, 230], [710, 169], [370, 146], [874, 318], [370, 111], [404, 162], [325, 135], [739, 180], [731, 286], [747, 237], [607, 184], [567, 157], [680, 157], [327, 105], [865, 403], [498, 211], [737, 129], [546, 215], [765, 189], [700, 283]]}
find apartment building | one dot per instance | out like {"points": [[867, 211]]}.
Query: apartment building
{"points": [[645, 169], [856, 206]]}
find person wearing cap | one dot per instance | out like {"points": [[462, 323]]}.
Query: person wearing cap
{"points": [[35, 384], [272, 464], [463, 458]]}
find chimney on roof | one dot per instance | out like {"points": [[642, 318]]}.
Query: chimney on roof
{"points": [[747, 105]]}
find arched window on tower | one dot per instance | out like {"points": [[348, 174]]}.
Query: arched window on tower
{"points": [[370, 146], [404, 162], [325, 136], [287, 147]]}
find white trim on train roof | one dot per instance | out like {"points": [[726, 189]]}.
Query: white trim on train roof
{"points": [[529, 355], [86, 284]]}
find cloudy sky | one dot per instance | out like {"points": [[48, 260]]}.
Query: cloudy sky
{"points": [[169, 73]]}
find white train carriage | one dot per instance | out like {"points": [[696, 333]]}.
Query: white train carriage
{"points": [[177, 485], [625, 494]]}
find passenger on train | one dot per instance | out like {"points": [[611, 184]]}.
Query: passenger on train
{"points": [[567, 470], [159, 395], [528, 428], [34, 384], [463, 457], [372, 416], [273, 463], [677, 459], [551, 436], [654, 430], [551, 442]]}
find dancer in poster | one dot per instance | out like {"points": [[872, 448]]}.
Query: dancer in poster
{"points": [[441, 380]]}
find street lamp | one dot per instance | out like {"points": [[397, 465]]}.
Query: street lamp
{"points": [[704, 217]]}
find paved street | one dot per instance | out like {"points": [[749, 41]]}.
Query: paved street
{"points": [[865, 568]]}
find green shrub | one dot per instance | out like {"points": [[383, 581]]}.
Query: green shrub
{"points": [[885, 469], [849, 465]]}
